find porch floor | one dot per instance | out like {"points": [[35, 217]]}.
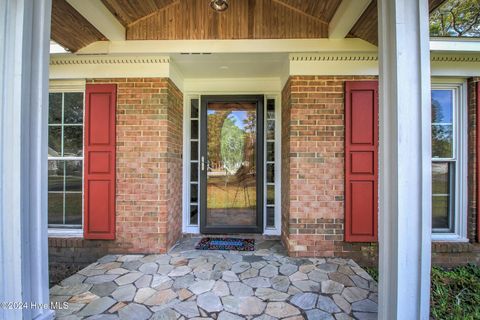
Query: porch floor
{"points": [[223, 285]]}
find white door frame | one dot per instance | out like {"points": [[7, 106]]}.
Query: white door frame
{"points": [[195, 88]]}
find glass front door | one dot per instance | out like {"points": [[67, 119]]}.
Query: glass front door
{"points": [[231, 164]]}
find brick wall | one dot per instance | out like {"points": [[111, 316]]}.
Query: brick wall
{"points": [[149, 173], [285, 194], [472, 159], [313, 159]]}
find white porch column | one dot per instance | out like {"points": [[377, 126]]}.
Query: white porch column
{"points": [[24, 55], [405, 160]]}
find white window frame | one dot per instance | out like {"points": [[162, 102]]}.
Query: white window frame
{"points": [[276, 230], [195, 229], [69, 86], [460, 149]]}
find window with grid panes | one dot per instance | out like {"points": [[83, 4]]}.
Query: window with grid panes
{"points": [[270, 163], [65, 159], [446, 167]]}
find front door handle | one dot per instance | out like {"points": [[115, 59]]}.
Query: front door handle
{"points": [[202, 163]]}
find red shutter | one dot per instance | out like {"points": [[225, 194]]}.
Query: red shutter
{"points": [[361, 161], [99, 169]]}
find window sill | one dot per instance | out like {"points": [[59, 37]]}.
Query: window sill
{"points": [[449, 238], [65, 233]]}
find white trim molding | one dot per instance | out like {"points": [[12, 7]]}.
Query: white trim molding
{"points": [[352, 64], [67, 85], [232, 85], [454, 44], [358, 63], [69, 66]]}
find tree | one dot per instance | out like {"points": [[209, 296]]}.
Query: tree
{"points": [[456, 18], [232, 142]]}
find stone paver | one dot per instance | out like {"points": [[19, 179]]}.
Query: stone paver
{"points": [[281, 310], [98, 306], [134, 311], [304, 301], [319, 315], [327, 304], [209, 302], [239, 289], [268, 294], [221, 285], [124, 293]]}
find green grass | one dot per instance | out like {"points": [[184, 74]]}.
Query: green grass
{"points": [[373, 272], [455, 293]]}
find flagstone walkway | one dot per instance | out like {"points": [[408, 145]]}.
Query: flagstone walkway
{"points": [[222, 285]]}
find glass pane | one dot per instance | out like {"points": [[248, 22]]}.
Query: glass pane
{"points": [[55, 108], [270, 129], [73, 108], [55, 141], [440, 177], [194, 111], [194, 193], [271, 172], [270, 109], [231, 176], [194, 150], [193, 215], [440, 212], [271, 217], [73, 208], [442, 106], [270, 151], [194, 129], [270, 194], [442, 141], [194, 172], [72, 141], [55, 175], [55, 208], [73, 178]]}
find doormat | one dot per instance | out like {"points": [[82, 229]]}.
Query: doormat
{"points": [[226, 244]]}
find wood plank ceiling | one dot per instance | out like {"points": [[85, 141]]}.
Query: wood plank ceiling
{"points": [[70, 29], [194, 19]]}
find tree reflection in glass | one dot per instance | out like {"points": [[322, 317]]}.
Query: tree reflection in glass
{"points": [[231, 167]]}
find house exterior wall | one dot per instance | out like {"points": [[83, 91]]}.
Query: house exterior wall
{"points": [[313, 160], [149, 175], [149, 117]]}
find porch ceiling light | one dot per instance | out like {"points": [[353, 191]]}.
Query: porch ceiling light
{"points": [[219, 5]]}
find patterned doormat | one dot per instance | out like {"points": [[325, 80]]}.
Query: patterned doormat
{"points": [[226, 244]]}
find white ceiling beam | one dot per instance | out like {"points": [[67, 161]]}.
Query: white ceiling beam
{"points": [[100, 17], [345, 17], [227, 46]]}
